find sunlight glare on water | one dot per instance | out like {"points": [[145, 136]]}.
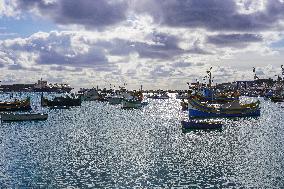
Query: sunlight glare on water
{"points": [[102, 146]]}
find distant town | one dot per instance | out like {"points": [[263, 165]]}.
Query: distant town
{"points": [[257, 87], [40, 86]]}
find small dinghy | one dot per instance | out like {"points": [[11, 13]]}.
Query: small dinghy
{"points": [[201, 124], [24, 117]]}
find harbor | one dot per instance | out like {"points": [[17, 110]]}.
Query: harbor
{"points": [[150, 94], [95, 138], [98, 145]]}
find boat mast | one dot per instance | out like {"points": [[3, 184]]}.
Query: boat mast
{"points": [[210, 77]]}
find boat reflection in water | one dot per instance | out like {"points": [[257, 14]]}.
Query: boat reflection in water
{"points": [[202, 124], [11, 117]]}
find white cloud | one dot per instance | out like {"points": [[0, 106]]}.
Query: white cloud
{"points": [[140, 49], [251, 6], [8, 8]]}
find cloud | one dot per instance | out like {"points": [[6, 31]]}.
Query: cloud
{"points": [[161, 71], [216, 15], [236, 40], [93, 57], [15, 67], [54, 49], [160, 46], [144, 40], [7, 8], [87, 13], [182, 64], [65, 68], [1, 65]]}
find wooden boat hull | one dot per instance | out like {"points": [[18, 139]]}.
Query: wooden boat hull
{"points": [[23, 117], [201, 125], [89, 98], [131, 104], [16, 106], [61, 102], [115, 101]]}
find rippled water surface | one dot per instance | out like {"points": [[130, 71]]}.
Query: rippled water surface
{"points": [[102, 146]]}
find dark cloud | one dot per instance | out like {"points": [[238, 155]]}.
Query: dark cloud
{"points": [[161, 71], [16, 67], [89, 13], [234, 39], [182, 64], [162, 46], [91, 59], [213, 14], [63, 68], [196, 49], [199, 64], [56, 49]]}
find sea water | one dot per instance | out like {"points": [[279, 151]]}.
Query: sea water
{"points": [[99, 145]]}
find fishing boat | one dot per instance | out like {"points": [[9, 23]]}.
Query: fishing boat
{"points": [[131, 103], [210, 104], [24, 117], [230, 109], [17, 105], [201, 124], [115, 99], [90, 95], [61, 101], [277, 98], [133, 99]]}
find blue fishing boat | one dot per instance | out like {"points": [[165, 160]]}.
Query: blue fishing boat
{"points": [[208, 103], [230, 109]]}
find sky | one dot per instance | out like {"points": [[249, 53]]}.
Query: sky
{"points": [[160, 44]]}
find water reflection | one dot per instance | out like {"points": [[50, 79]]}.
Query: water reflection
{"points": [[102, 146]]}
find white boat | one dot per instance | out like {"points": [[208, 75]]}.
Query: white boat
{"points": [[24, 117]]}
